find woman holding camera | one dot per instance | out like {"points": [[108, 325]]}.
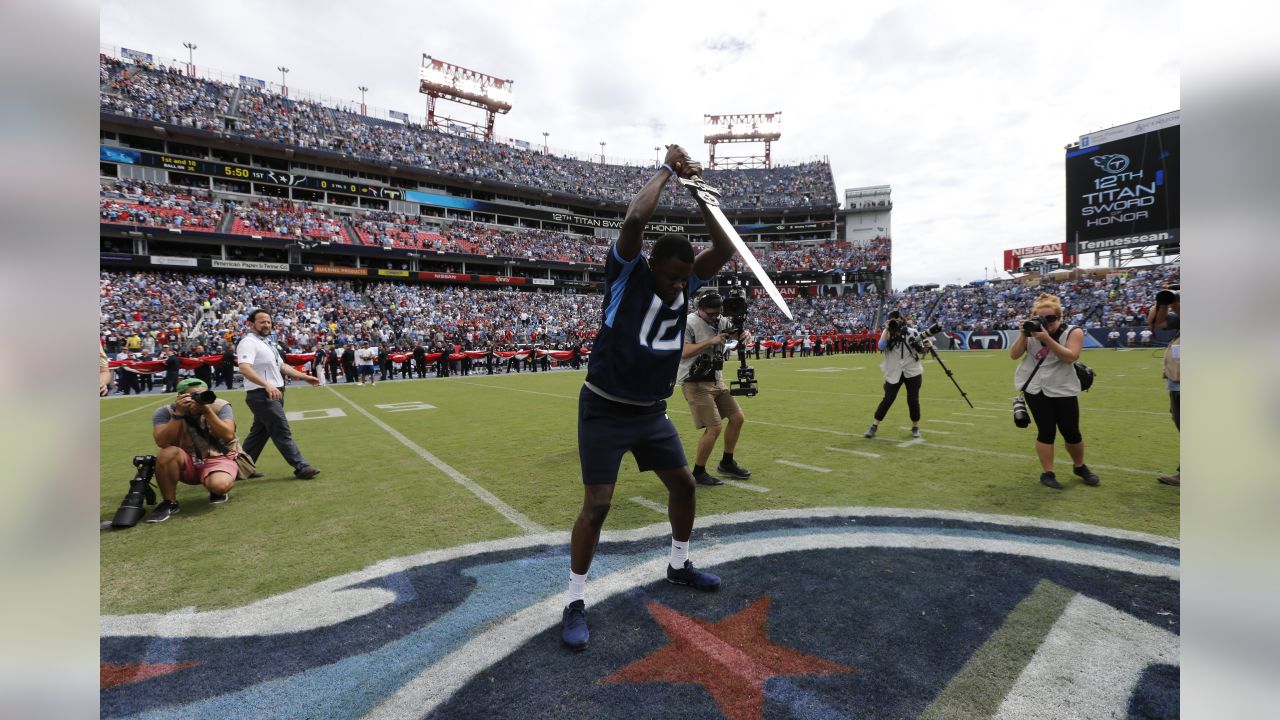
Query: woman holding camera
{"points": [[1053, 391], [901, 366]]}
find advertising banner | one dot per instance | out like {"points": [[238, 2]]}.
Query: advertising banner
{"points": [[1124, 192], [336, 270], [250, 265], [451, 277], [176, 261]]}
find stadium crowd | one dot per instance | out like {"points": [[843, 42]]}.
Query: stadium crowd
{"points": [[142, 90], [152, 92], [185, 308], [142, 203]]}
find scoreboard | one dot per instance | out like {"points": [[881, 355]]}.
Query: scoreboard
{"points": [[129, 156], [1122, 187]]}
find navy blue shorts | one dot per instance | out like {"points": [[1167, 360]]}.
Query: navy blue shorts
{"points": [[608, 429]]}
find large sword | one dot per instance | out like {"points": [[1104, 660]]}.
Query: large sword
{"points": [[709, 197]]}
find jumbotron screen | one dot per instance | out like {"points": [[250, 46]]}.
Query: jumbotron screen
{"points": [[1123, 193]]}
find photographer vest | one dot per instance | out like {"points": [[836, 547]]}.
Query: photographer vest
{"points": [[1055, 378], [899, 362], [1173, 361], [698, 330], [202, 443]]}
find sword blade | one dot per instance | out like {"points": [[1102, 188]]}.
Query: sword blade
{"points": [[745, 252]]}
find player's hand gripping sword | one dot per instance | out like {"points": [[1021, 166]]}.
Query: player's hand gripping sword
{"points": [[709, 197]]}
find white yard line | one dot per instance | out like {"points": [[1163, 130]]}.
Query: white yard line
{"points": [[646, 502], [746, 486], [859, 453], [909, 443], [949, 422], [958, 448], [928, 430], [989, 417], [530, 392], [129, 412], [807, 429], [485, 496], [803, 466], [1066, 462]]}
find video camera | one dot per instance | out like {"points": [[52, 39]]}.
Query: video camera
{"points": [[734, 308], [140, 490]]}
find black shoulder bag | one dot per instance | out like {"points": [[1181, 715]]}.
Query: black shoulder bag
{"points": [[1083, 372]]}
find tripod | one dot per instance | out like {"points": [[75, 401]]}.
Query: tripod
{"points": [[947, 370]]}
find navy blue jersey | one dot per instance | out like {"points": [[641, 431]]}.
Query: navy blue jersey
{"points": [[637, 352]]}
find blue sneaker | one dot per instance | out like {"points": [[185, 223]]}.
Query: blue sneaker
{"points": [[689, 575], [573, 626]]}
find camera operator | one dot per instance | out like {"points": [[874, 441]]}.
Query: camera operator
{"points": [[701, 379], [902, 346], [1054, 389], [198, 446], [1164, 315]]}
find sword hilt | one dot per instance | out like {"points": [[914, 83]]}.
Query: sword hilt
{"points": [[700, 190]]}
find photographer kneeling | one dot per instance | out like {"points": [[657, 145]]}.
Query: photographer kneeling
{"points": [[902, 345], [701, 379], [197, 440], [1049, 351]]}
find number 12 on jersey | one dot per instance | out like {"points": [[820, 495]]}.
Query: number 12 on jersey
{"points": [[668, 336]]}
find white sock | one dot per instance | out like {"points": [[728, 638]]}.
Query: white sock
{"points": [[577, 588], [679, 553]]}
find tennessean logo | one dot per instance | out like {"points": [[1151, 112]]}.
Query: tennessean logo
{"points": [[986, 341], [1112, 164]]}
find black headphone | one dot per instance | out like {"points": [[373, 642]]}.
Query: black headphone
{"points": [[709, 299]]}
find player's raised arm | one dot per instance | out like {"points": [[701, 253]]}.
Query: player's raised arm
{"points": [[709, 261], [631, 238]]}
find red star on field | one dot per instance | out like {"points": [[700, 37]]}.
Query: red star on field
{"points": [[113, 674], [731, 658]]}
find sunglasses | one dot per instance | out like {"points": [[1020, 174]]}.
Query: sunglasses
{"points": [[1048, 318]]}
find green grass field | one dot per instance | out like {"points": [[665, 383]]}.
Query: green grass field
{"points": [[515, 437]]}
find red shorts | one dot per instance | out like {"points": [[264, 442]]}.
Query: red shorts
{"points": [[193, 474]]}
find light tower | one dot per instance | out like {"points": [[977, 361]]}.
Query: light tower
{"points": [[191, 58], [438, 79], [752, 127]]}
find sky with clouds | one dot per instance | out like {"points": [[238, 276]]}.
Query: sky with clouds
{"points": [[964, 108]]}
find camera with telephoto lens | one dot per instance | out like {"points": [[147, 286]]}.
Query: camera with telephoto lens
{"points": [[1168, 296], [140, 491], [1032, 326], [896, 324], [204, 397], [1021, 417]]}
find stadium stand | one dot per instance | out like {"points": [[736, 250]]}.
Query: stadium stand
{"points": [[140, 90]]}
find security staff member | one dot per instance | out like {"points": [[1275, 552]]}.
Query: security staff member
{"points": [[261, 366]]}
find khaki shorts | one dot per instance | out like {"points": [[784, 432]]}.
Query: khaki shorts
{"points": [[709, 401]]}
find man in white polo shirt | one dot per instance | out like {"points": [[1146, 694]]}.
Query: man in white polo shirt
{"points": [[261, 365]]}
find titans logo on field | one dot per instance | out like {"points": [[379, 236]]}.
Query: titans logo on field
{"points": [[826, 613]]}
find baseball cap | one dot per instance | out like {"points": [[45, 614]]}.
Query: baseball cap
{"points": [[189, 383]]}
